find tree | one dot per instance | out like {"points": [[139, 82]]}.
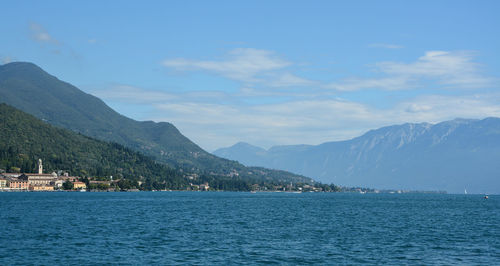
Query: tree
{"points": [[68, 185]]}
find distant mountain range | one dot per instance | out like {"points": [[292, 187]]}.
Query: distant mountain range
{"points": [[34, 91], [453, 156]]}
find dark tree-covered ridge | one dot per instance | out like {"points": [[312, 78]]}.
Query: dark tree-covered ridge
{"points": [[25, 139]]}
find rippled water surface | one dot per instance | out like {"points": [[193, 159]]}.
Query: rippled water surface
{"points": [[234, 228]]}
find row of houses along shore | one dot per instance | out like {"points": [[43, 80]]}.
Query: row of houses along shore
{"points": [[38, 181]]}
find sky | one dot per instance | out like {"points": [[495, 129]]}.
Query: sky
{"points": [[268, 72]]}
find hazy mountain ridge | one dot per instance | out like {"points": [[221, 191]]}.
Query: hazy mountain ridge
{"points": [[452, 155], [34, 91]]}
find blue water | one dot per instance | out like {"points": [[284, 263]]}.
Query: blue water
{"points": [[244, 228]]}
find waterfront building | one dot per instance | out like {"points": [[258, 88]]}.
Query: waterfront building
{"points": [[79, 185], [3, 183], [18, 184], [40, 178], [70, 178], [42, 188], [204, 187], [58, 183]]}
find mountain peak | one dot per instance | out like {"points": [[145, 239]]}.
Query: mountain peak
{"points": [[244, 144], [26, 71], [21, 66], [241, 147]]}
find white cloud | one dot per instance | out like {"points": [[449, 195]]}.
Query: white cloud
{"points": [[386, 46], [446, 69], [243, 64], [288, 80], [311, 121], [39, 34], [247, 65], [390, 83], [261, 68], [436, 108], [453, 68], [250, 92]]}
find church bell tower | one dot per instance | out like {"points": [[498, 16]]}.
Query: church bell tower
{"points": [[40, 166]]}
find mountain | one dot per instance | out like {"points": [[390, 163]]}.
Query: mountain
{"points": [[34, 91], [451, 156], [25, 139], [243, 152]]}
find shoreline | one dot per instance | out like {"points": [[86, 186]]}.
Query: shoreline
{"points": [[252, 192]]}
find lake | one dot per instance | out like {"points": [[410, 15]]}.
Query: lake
{"points": [[245, 228]]}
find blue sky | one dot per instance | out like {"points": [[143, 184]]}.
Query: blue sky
{"points": [[268, 72]]}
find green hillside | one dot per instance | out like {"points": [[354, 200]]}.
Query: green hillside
{"points": [[25, 139], [29, 88], [34, 91]]}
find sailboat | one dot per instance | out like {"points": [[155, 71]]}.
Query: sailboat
{"points": [[465, 191]]}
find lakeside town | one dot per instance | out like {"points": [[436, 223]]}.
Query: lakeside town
{"points": [[41, 181], [64, 182]]}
